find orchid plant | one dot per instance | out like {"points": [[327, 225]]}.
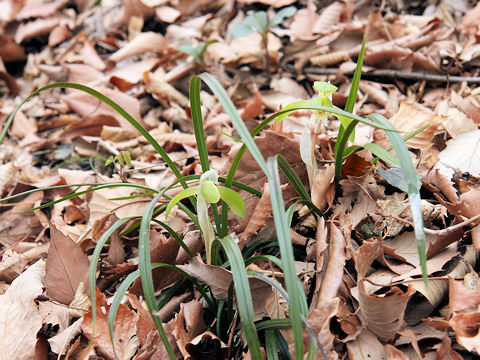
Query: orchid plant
{"points": [[208, 192], [318, 117]]}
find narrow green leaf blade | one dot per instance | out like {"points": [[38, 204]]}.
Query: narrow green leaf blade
{"points": [[180, 196], [243, 294], [412, 188]]}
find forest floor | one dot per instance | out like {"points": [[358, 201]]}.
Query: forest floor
{"points": [[358, 263]]}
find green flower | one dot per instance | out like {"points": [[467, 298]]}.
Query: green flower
{"points": [[208, 192], [211, 193]]}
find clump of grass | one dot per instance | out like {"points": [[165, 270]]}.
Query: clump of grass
{"points": [[208, 192]]}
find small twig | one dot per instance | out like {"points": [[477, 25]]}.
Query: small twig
{"points": [[440, 232], [392, 74]]}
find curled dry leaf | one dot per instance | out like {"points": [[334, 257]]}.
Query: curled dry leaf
{"points": [[142, 43], [261, 213], [319, 319], [19, 314], [220, 279], [125, 329], [336, 261], [162, 250], [383, 313], [85, 105], [188, 324], [468, 204]]}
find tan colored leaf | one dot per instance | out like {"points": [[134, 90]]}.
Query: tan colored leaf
{"points": [[67, 267], [161, 89], [445, 351], [142, 43], [19, 314], [35, 28], [60, 342], [319, 320], [189, 323], [383, 313], [467, 144], [220, 279], [274, 3], [162, 250], [394, 354], [125, 328], [462, 298], [261, 213], [7, 176], [85, 105], [467, 329], [333, 277], [468, 204], [366, 346]]}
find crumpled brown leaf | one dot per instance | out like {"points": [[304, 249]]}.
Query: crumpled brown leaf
{"points": [[220, 279]]}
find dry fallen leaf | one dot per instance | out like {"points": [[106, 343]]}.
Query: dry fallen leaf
{"points": [[125, 329], [67, 267], [19, 314], [467, 144], [220, 279]]}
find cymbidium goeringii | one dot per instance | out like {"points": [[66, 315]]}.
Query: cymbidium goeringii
{"points": [[324, 98], [209, 192]]}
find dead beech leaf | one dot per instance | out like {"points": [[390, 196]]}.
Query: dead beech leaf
{"points": [[410, 117], [467, 144], [261, 213], [7, 176], [19, 314], [270, 143], [383, 313], [319, 319], [59, 343], [274, 3], [468, 204], [366, 346], [142, 43], [67, 267], [471, 20], [85, 105], [35, 28], [39, 8], [161, 89], [322, 187], [394, 354], [445, 351], [220, 279], [333, 277], [162, 250], [189, 323], [125, 329], [461, 298], [467, 329]]}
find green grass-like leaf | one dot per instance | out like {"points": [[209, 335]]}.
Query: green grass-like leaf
{"points": [[243, 295], [413, 190], [145, 267], [286, 249]]}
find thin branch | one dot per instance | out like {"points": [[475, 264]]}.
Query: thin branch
{"points": [[391, 74]]}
